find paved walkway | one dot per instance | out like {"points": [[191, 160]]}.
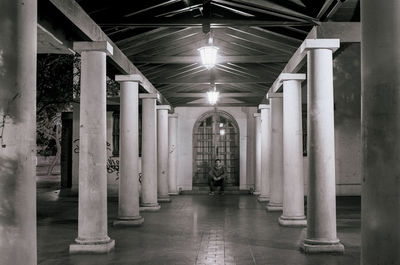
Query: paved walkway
{"points": [[193, 229]]}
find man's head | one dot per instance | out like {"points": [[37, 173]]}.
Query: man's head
{"points": [[218, 162]]}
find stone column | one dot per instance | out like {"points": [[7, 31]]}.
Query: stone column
{"points": [[92, 213], [149, 153], [162, 153], [321, 200], [257, 182], [265, 152], [380, 119], [18, 132], [128, 203], [173, 153], [276, 102], [293, 179]]}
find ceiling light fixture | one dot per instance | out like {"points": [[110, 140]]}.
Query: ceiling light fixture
{"points": [[213, 96], [208, 54]]}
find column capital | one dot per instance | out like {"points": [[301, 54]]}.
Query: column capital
{"points": [[100, 46], [274, 95], [173, 115], [331, 44], [255, 115], [149, 96], [264, 106], [289, 76], [163, 107], [129, 78]]}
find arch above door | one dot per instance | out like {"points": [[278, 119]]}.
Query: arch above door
{"points": [[215, 135]]}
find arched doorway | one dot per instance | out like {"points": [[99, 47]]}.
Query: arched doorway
{"points": [[215, 135]]}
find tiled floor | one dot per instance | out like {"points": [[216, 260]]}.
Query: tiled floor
{"points": [[193, 229]]}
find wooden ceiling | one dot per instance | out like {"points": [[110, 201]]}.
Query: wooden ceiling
{"points": [[255, 38]]}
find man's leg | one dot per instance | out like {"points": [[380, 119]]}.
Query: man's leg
{"points": [[211, 184], [221, 183]]}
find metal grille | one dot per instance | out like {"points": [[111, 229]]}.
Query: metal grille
{"points": [[216, 135]]}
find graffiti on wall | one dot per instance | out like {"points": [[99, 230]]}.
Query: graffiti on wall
{"points": [[112, 162]]}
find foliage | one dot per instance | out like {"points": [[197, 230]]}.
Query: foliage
{"points": [[58, 86], [54, 95]]}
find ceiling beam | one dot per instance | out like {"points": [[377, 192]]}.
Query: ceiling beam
{"points": [[270, 5], [198, 22], [152, 7], [345, 31], [262, 10], [92, 31], [217, 105], [224, 95], [220, 59]]}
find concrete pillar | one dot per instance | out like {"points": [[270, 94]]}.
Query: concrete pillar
{"points": [[257, 182], [293, 179], [18, 132], [380, 119], [162, 153], [75, 148], [128, 203], [276, 102], [265, 152], [92, 213], [173, 154], [149, 153], [321, 200]]}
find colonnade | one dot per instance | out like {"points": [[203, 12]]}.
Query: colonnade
{"points": [[282, 150], [92, 218], [380, 130]]}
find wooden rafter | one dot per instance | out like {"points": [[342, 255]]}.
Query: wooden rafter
{"points": [[152, 7], [198, 22], [220, 59]]}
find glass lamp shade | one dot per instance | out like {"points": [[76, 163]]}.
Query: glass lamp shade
{"points": [[212, 97], [208, 55]]}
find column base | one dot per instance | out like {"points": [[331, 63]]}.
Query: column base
{"points": [[293, 221], [274, 207], [92, 247], [256, 193], [311, 246], [149, 207], [164, 198], [263, 198], [129, 221], [173, 193]]}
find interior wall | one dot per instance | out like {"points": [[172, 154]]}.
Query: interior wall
{"points": [[187, 117]]}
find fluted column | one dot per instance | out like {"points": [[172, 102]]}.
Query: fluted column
{"points": [[149, 153], [293, 179], [380, 118], [162, 153], [18, 31], [257, 182], [276, 102], [128, 203], [321, 200], [92, 213], [173, 153], [265, 152]]}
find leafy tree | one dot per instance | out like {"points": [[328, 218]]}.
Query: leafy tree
{"points": [[58, 86]]}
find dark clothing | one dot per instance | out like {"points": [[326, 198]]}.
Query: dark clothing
{"points": [[216, 173]]}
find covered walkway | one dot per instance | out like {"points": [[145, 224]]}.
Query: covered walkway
{"points": [[192, 229]]}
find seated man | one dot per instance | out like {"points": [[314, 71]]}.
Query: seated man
{"points": [[216, 177]]}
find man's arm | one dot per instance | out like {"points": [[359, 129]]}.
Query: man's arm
{"points": [[211, 173], [223, 174]]}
